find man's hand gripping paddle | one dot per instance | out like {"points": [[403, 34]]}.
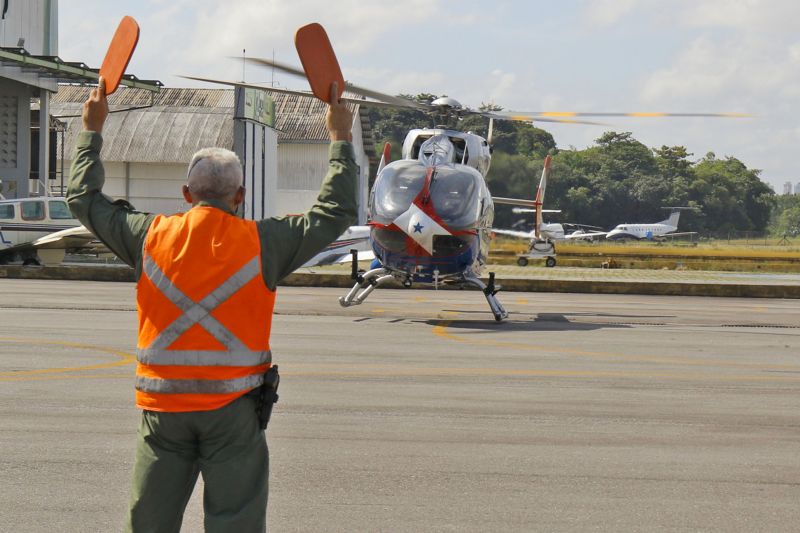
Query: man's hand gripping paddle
{"points": [[319, 61], [119, 53]]}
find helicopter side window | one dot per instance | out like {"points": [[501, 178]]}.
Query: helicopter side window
{"points": [[7, 211], [417, 145], [460, 146]]}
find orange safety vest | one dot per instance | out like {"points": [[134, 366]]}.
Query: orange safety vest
{"points": [[204, 312]]}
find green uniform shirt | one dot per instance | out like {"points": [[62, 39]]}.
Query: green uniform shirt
{"points": [[286, 242]]}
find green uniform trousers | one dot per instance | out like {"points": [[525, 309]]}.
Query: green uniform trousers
{"points": [[225, 445]]}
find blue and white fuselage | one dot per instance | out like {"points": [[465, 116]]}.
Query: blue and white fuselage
{"points": [[431, 216]]}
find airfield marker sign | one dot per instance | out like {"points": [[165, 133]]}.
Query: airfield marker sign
{"points": [[119, 53], [319, 60]]}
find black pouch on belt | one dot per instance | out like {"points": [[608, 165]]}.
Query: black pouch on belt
{"points": [[268, 395]]}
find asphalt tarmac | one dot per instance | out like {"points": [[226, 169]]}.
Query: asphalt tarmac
{"points": [[417, 412]]}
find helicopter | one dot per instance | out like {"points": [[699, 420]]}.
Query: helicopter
{"points": [[430, 213]]}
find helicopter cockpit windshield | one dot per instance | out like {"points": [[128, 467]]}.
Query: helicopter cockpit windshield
{"points": [[454, 193], [397, 187]]}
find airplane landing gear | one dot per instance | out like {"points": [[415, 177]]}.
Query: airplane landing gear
{"points": [[538, 250], [523, 261]]}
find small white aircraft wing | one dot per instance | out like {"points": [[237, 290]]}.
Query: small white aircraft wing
{"points": [[680, 234], [77, 237], [52, 247], [514, 201], [520, 210], [354, 238], [514, 233], [363, 255], [580, 235]]}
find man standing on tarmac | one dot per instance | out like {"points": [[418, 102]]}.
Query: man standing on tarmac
{"points": [[206, 282]]}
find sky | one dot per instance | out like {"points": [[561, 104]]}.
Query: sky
{"points": [[739, 56]]}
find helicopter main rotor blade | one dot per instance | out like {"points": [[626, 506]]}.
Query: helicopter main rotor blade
{"points": [[369, 93], [539, 115], [269, 88], [523, 118]]}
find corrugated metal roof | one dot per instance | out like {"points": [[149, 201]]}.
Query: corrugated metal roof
{"points": [[182, 121], [154, 135], [165, 97]]}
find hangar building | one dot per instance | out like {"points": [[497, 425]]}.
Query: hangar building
{"points": [[149, 139]]}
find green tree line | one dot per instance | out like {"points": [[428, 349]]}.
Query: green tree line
{"points": [[616, 180]]}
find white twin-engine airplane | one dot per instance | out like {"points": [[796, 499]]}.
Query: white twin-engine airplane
{"points": [[39, 230], [657, 231]]}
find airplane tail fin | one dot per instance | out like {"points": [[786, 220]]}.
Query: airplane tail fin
{"points": [[540, 196], [674, 216]]}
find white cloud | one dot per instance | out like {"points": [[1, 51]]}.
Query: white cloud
{"points": [[703, 55], [605, 13], [743, 69]]}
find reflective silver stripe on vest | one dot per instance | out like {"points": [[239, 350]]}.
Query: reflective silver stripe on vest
{"points": [[198, 386], [149, 356], [199, 312]]}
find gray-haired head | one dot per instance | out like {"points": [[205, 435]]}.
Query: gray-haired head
{"points": [[214, 174]]}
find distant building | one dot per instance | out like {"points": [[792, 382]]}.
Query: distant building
{"points": [[30, 73], [787, 187], [797, 188]]}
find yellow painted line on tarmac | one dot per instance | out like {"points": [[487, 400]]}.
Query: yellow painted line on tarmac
{"points": [[379, 311], [441, 330], [335, 371], [53, 377], [126, 358]]}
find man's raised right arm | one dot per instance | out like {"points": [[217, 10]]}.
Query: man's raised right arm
{"points": [[115, 223]]}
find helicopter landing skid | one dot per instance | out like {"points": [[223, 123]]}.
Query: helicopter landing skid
{"points": [[365, 284], [489, 291]]}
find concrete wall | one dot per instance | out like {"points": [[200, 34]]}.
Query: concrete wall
{"points": [[153, 188], [15, 123], [302, 167]]}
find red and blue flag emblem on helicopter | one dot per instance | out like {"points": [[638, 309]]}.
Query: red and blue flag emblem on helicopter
{"points": [[420, 222]]}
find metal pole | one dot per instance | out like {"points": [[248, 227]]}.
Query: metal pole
{"points": [[44, 139]]}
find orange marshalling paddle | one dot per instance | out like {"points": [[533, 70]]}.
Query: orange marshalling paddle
{"points": [[119, 53], [319, 61]]}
